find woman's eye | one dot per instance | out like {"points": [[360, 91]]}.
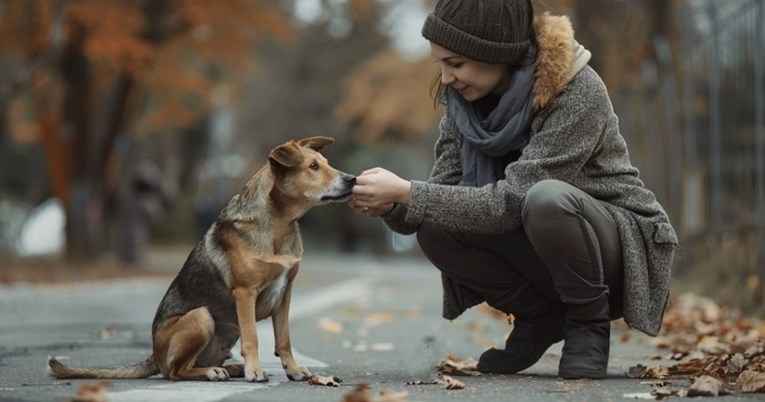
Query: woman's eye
{"points": [[314, 166], [455, 65]]}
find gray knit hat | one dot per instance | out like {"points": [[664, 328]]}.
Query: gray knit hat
{"points": [[490, 31]]}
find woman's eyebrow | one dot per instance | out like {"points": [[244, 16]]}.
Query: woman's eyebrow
{"points": [[446, 58]]}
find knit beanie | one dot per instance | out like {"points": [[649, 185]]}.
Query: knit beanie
{"points": [[489, 31]]}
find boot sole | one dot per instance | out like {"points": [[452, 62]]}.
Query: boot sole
{"points": [[580, 375]]}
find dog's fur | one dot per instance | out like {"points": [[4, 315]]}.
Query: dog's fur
{"points": [[240, 272]]}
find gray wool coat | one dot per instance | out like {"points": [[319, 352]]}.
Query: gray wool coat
{"points": [[574, 138]]}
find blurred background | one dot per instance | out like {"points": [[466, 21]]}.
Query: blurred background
{"points": [[125, 125]]}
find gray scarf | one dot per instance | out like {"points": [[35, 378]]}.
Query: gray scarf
{"points": [[505, 129]]}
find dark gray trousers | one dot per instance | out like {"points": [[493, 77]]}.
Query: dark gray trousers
{"points": [[568, 248]]}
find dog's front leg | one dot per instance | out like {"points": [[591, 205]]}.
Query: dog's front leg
{"points": [[282, 336], [245, 311]]}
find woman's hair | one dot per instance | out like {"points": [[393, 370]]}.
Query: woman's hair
{"points": [[438, 89]]}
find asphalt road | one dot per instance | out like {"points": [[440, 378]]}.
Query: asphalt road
{"points": [[364, 319]]}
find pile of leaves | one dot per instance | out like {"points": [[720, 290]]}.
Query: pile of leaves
{"points": [[716, 348]]}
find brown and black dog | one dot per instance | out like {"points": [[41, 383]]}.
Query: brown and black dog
{"points": [[240, 272]]}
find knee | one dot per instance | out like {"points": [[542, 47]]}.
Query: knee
{"points": [[547, 200]]}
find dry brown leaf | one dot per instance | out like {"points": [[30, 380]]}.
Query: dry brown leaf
{"points": [[638, 371], [450, 383], [107, 332], [456, 366], [362, 393], [327, 381], [712, 345], [380, 318], [659, 372], [707, 385], [330, 325], [736, 364], [92, 392], [641, 371], [421, 382], [751, 382]]}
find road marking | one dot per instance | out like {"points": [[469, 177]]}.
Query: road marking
{"points": [[300, 307]]}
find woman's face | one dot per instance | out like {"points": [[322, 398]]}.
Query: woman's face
{"points": [[472, 79]]}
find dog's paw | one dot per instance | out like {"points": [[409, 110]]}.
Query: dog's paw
{"points": [[298, 374], [217, 374], [258, 375]]}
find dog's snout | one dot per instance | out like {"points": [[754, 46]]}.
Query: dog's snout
{"points": [[350, 179]]}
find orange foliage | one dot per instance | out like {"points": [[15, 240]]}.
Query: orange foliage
{"points": [[360, 9], [23, 30], [172, 62], [112, 33], [389, 96]]}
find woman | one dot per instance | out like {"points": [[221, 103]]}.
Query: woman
{"points": [[533, 204]]}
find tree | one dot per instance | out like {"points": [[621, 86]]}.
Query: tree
{"points": [[102, 72]]}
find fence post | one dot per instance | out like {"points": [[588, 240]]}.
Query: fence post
{"points": [[759, 131], [668, 87], [715, 137]]}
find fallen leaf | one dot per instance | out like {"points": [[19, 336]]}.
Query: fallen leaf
{"points": [[375, 319], [330, 325], [654, 356], [107, 332], [663, 392], [361, 393], [638, 371], [450, 383], [92, 392], [707, 385], [328, 381], [659, 372], [456, 366], [751, 382], [641, 395], [712, 345], [421, 382], [737, 363]]}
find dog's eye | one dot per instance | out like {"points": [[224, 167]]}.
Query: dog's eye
{"points": [[314, 166]]}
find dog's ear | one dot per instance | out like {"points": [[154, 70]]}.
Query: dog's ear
{"points": [[287, 155], [316, 143]]}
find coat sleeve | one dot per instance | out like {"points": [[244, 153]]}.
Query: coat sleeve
{"points": [[447, 170], [564, 138]]}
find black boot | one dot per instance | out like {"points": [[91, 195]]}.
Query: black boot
{"points": [[587, 340], [538, 325]]}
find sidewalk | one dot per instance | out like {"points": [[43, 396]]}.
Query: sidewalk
{"points": [[365, 319]]}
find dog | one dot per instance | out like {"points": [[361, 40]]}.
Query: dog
{"points": [[240, 272]]}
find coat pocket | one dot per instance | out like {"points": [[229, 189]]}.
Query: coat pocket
{"points": [[665, 233]]}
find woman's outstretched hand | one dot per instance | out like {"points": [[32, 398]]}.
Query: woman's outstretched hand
{"points": [[377, 191]]}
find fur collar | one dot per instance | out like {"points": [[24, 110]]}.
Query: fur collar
{"points": [[558, 58]]}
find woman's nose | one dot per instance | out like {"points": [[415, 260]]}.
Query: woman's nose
{"points": [[447, 77]]}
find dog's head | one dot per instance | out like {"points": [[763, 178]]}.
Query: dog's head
{"points": [[302, 173]]}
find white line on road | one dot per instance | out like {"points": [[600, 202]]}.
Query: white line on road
{"points": [[348, 291]]}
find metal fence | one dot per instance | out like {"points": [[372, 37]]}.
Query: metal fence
{"points": [[698, 120]]}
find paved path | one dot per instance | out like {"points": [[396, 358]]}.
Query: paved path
{"points": [[365, 319]]}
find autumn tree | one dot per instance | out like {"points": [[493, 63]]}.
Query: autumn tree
{"points": [[89, 75]]}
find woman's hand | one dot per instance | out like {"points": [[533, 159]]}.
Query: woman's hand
{"points": [[377, 191]]}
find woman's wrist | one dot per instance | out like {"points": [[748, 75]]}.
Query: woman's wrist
{"points": [[406, 188]]}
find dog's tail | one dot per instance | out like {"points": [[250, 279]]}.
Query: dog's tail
{"points": [[144, 369]]}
